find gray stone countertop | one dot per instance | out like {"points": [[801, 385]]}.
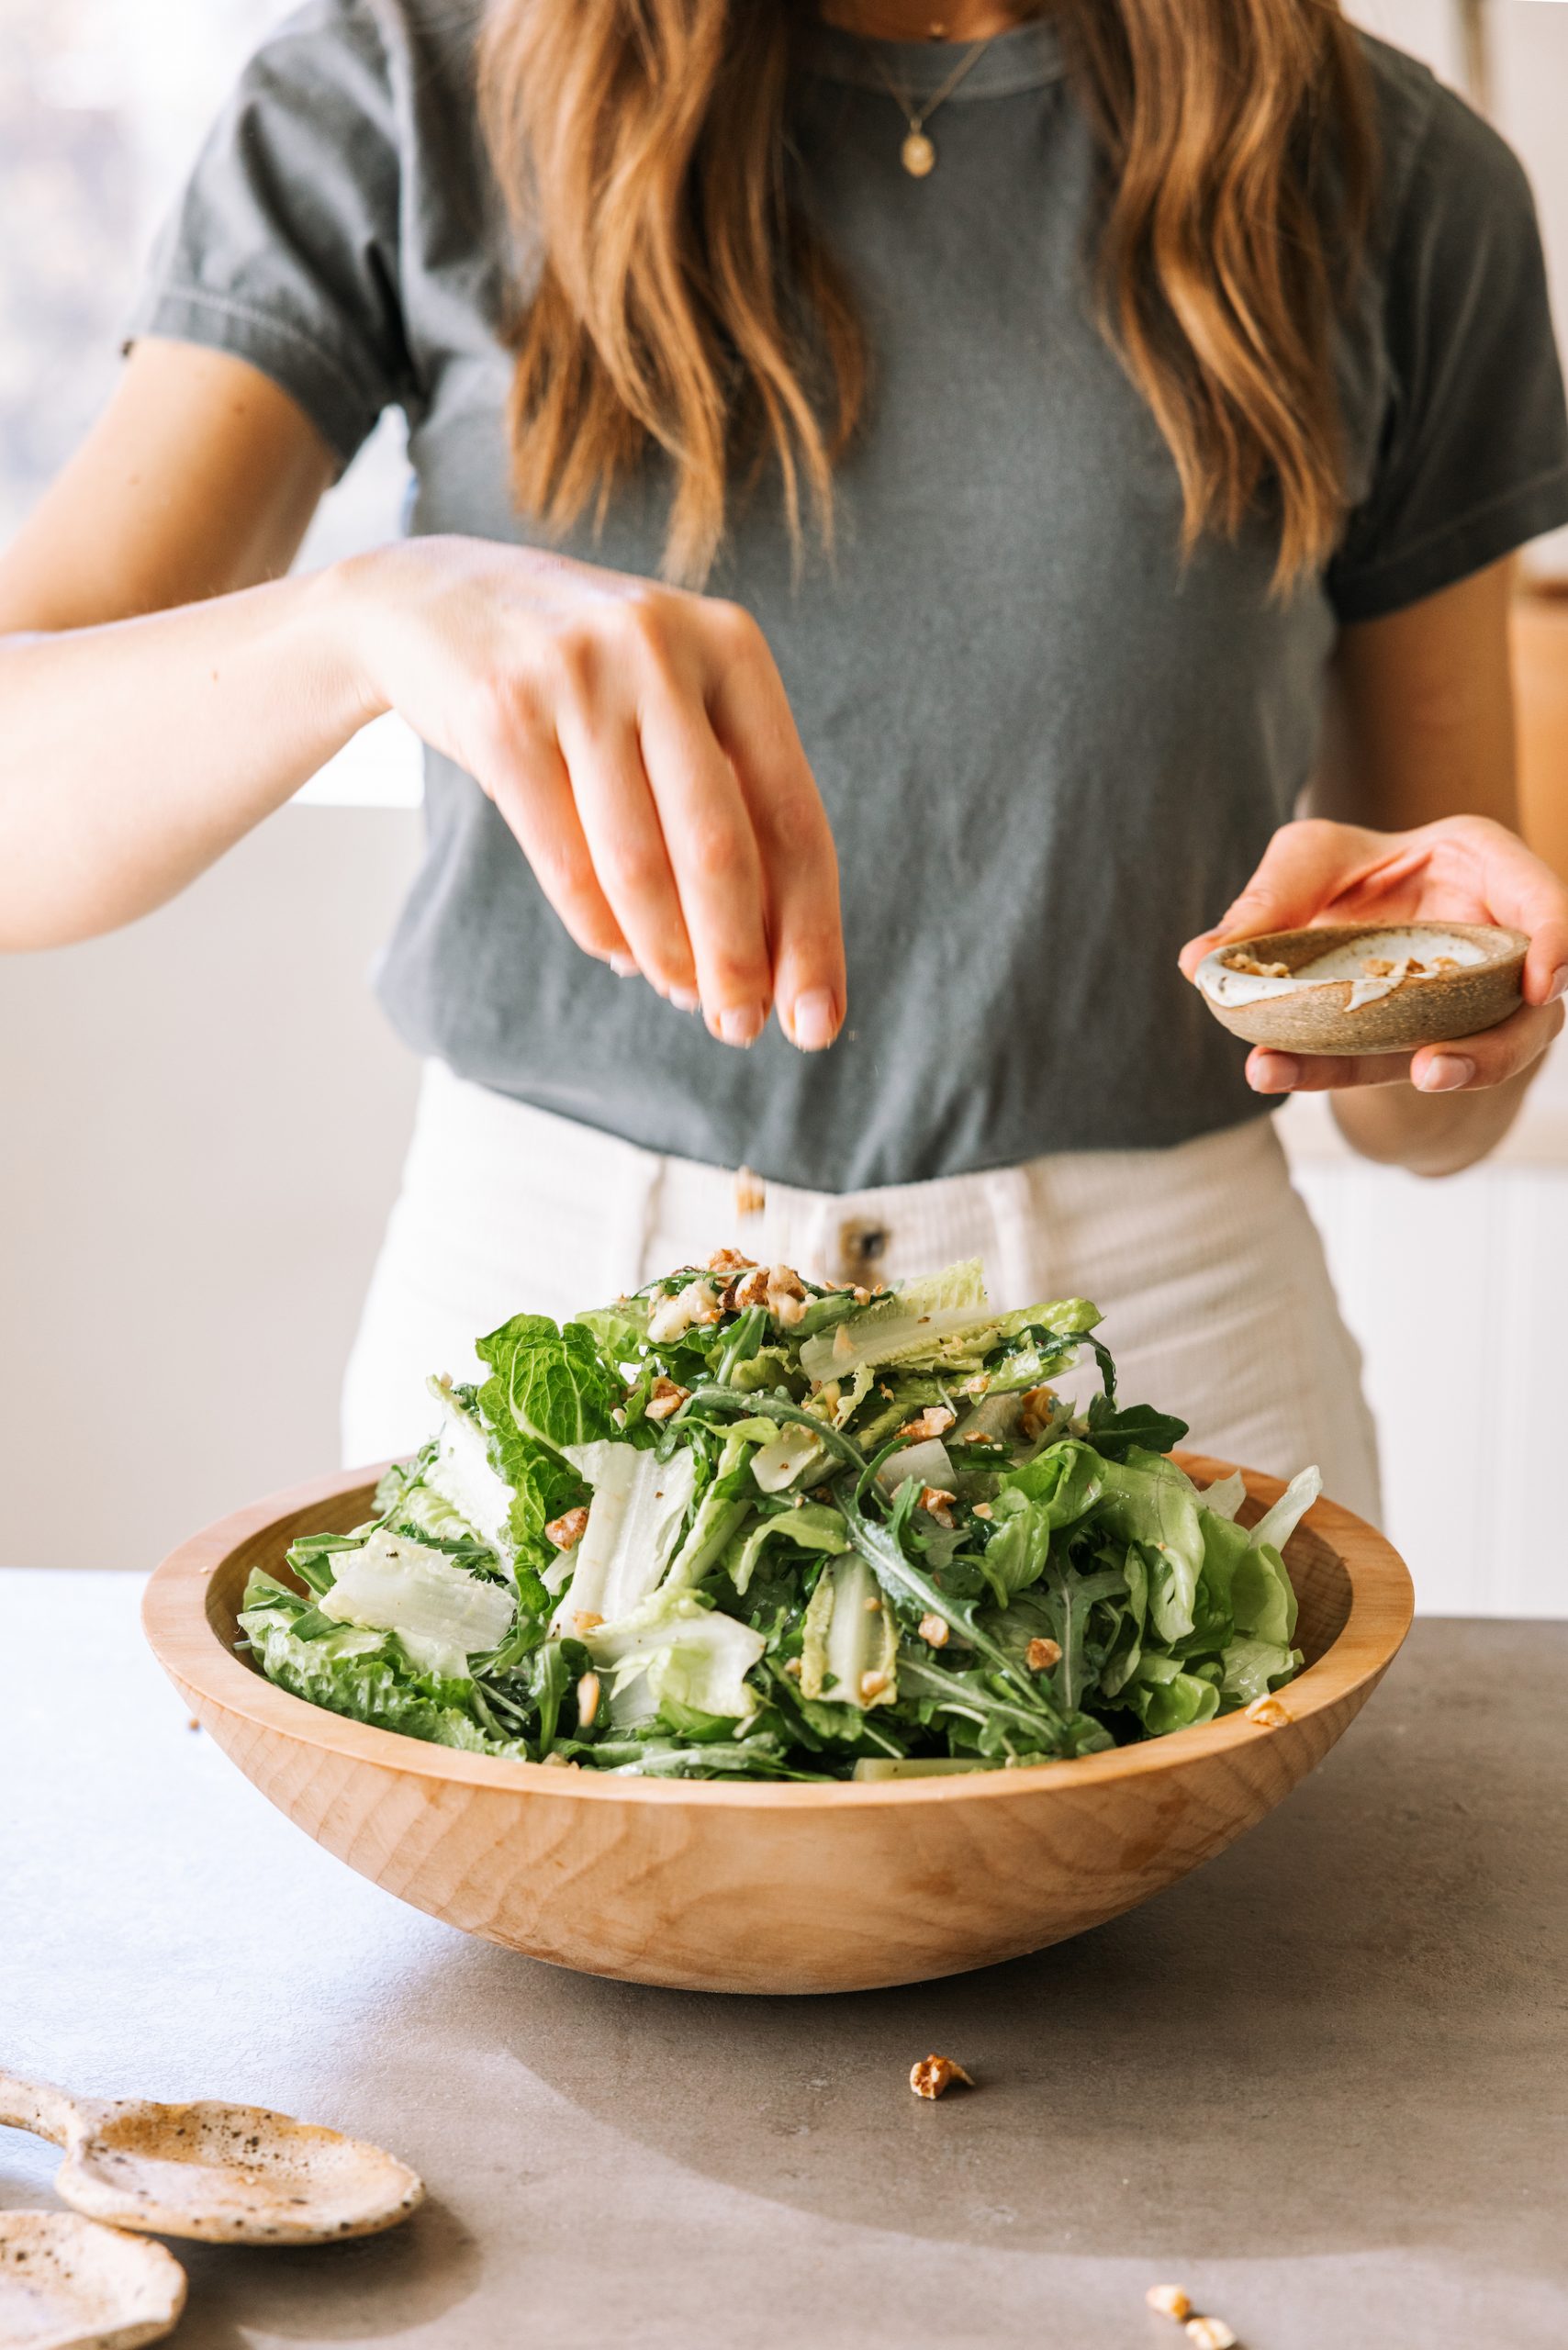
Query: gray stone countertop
{"points": [[1321, 2083]]}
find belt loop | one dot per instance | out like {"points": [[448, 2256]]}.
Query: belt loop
{"points": [[1014, 1280]]}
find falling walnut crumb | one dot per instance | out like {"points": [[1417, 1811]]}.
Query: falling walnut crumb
{"points": [[1209, 2333], [1040, 1655], [1268, 1713], [750, 1196], [1169, 2300], [934, 2074]]}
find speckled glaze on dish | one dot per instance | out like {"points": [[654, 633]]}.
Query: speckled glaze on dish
{"points": [[1422, 1012]]}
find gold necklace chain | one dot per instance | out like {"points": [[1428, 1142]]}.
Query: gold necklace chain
{"points": [[918, 153]]}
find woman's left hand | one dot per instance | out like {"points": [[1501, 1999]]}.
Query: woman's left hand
{"points": [[1463, 869]]}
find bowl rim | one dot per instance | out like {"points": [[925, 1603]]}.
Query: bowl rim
{"points": [[1507, 946], [178, 1626]]}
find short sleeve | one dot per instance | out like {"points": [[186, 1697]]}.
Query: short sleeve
{"points": [[283, 248], [1471, 457]]}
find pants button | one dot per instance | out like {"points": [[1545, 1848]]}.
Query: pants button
{"points": [[861, 1248]]}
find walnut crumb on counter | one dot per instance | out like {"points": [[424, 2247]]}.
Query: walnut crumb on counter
{"points": [[934, 2074], [1209, 2333], [1169, 2300]]}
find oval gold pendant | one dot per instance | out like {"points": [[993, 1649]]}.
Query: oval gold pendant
{"points": [[918, 154]]}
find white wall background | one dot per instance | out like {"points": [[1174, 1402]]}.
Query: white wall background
{"points": [[201, 1118]]}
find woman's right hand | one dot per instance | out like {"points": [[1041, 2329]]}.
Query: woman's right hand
{"points": [[639, 744]]}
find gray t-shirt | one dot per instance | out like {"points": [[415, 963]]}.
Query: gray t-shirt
{"points": [[1049, 751]]}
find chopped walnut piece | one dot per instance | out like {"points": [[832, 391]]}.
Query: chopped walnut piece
{"points": [[588, 1621], [729, 1260], [666, 1400], [872, 1684], [1209, 2333], [934, 1631], [1239, 961], [559, 1763], [1268, 1713], [786, 1296], [1169, 2300], [748, 1289], [792, 1668], [1040, 1655], [977, 1384], [872, 1606], [933, 2074], [937, 1503], [1444, 963], [983, 1509], [568, 1531], [1376, 967], [588, 1699], [1035, 1410], [934, 1420], [750, 1196]]}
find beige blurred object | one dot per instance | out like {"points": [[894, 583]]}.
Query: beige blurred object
{"points": [[67, 2283], [1541, 674], [219, 2173]]}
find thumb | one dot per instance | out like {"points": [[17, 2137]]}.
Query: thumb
{"points": [[1304, 867]]}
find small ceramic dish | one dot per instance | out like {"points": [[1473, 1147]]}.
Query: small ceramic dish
{"points": [[1365, 987]]}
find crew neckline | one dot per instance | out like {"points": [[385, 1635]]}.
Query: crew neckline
{"points": [[1026, 57]]}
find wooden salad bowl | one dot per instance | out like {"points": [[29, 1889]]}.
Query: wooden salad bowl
{"points": [[724, 1886]]}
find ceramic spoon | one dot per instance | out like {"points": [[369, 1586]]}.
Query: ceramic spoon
{"points": [[68, 2284], [226, 2173]]}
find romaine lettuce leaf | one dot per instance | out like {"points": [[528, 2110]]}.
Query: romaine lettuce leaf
{"points": [[441, 1612], [638, 1508], [674, 1648]]}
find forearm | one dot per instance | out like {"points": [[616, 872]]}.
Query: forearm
{"points": [[134, 755], [1429, 1134]]}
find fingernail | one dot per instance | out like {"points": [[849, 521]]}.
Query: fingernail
{"points": [[685, 999], [1272, 1072], [1445, 1073], [814, 1021], [740, 1025], [624, 967], [1557, 984]]}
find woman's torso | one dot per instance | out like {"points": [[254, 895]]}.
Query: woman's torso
{"points": [[1050, 750]]}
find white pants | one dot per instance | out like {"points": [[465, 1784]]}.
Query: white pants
{"points": [[1208, 1271]]}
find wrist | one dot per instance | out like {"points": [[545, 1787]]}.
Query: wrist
{"points": [[341, 606]]}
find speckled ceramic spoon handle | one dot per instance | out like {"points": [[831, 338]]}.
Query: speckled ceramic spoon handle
{"points": [[224, 2173], [36, 2106]]}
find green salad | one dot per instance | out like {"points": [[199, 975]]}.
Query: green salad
{"points": [[743, 1525]]}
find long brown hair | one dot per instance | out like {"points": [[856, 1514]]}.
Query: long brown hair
{"points": [[682, 301]]}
